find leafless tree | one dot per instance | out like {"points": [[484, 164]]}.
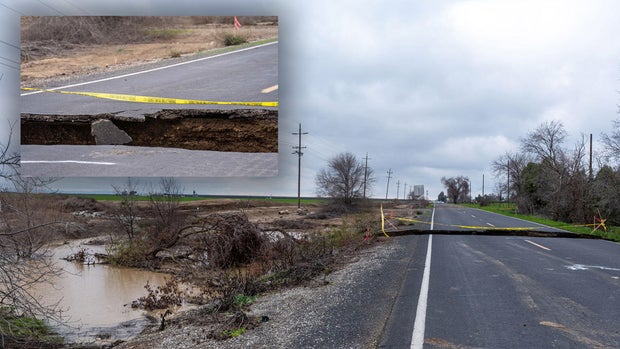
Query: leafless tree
{"points": [[167, 223], [127, 213], [343, 179], [612, 142], [24, 261], [545, 143], [457, 187]]}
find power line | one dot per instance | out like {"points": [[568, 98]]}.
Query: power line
{"points": [[9, 44], [12, 9], [51, 8], [10, 66], [10, 60]]}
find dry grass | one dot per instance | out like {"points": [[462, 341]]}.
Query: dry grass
{"points": [[55, 47]]}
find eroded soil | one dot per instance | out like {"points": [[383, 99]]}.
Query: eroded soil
{"points": [[240, 130]]}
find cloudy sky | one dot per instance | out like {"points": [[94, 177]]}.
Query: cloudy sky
{"points": [[426, 88]]}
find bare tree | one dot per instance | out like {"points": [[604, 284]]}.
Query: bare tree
{"points": [[24, 262], [127, 213], [167, 225], [612, 142], [545, 143], [457, 187], [343, 180]]}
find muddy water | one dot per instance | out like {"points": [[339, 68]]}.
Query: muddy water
{"points": [[96, 299]]}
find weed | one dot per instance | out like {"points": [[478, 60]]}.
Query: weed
{"points": [[234, 39], [232, 333], [175, 54], [164, 34], [242, 300], [25, 329], [126, 253]]}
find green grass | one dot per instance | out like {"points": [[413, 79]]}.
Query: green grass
{"points": [[23, 327], [508, 209]]}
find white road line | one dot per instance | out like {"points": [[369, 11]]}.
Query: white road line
{"points": [[417, 337], [490, 225], [66, 162], [537, 245], [148, 70], [269, 89], [433, 217]]}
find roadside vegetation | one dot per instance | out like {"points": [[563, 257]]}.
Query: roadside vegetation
{"points": [[548, 182], [509, 209]]}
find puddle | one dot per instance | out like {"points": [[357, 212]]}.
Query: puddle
{"points": [[96, 298]]}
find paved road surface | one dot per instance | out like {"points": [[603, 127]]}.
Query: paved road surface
{"points": [[505, 291], [126, 161], [236, 76], [240, 75]]}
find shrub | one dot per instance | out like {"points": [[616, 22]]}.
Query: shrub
{"points": [[234, 39]]}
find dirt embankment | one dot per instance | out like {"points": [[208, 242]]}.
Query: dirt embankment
{"points": [[240, 130]]}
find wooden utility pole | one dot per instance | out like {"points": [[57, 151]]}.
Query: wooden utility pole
{"points": [[299, 154], [365, 174], [388, 183], [591, 174], [397, 188]]}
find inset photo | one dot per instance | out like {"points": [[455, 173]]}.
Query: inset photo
{"points": [[109, 96]]}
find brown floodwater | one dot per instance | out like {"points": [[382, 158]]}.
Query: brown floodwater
{"points": [[96, 299]]}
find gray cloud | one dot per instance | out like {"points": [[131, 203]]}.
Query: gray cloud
{"points": [[428, 89]]}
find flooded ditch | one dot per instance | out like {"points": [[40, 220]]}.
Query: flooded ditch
{"points": [[239, 130], [96, 299]]}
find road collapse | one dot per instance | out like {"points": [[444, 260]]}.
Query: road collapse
{"points": [[238, 130]]}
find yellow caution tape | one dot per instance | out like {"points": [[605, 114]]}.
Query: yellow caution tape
{"points": [[156, 100], [383, 222], [458, 226]]}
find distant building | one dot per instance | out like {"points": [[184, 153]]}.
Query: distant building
{"points": [[418, 191]]}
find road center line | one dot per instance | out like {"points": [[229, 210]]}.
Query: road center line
{"points": [[149, 70], [417, 337], [490, 225], [537, 245]]}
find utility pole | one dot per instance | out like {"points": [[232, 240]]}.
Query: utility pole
{"points": [[405, 191], [389, 172], [397, 188], [365, 174], [591, 176], [483, 185], [299, 154]]}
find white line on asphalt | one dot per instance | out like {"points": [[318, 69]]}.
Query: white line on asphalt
{"points": [[67, 162], [433, 217], [417, 337], [537, 245], [490, 225], [269, 89], [148, 70]]}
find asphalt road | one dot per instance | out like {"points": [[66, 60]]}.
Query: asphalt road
{"points": [[132, 161], [463, 291], [244, 75]]}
